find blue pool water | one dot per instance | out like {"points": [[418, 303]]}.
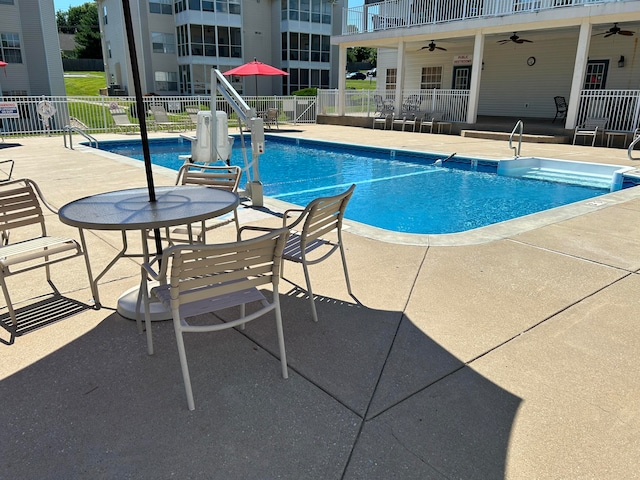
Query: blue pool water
{"points": [[396, 190]]}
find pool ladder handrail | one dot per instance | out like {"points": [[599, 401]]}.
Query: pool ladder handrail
{"points": [[71, 129], [630, 149], [516, 150]]}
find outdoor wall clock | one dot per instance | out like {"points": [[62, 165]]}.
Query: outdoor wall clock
{"points": [[531, 61]]}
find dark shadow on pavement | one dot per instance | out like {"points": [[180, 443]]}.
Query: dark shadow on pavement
{"points": [[351, 408]]}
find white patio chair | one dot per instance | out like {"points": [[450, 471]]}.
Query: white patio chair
{"points": [[384, 119], [592, 127], [430, 120], [320, 236], [198, 279], [212, 176], [25, 243], [271, 118]]}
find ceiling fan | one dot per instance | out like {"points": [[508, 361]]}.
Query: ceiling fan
{"points": [[515, 39], [432, 46], [616, 30]]}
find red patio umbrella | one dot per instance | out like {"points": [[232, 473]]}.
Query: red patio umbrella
{"points": [[255, 68]]}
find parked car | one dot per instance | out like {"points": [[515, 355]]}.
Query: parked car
{"points": [[372, 73], [356, 76]]}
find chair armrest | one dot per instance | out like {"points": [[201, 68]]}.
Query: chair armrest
{"points": [[148, 269], [254, 229]]}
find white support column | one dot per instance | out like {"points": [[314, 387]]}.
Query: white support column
{"points": [[399, 77], [579, 68], [342, 79], [476, 73]]}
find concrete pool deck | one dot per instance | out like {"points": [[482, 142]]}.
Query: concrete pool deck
{"points": [[514, 357]]}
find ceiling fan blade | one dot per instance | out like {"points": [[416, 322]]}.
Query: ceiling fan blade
{"points": [[609, 34], [502, 42], [518, 40], [523, 40], [440, 48], [627, 33]]}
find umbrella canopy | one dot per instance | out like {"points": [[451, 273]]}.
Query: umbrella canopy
{"points": [[255, 68], [2, 65]]}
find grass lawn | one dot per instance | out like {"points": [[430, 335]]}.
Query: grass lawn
{"points": [[82, 84], [368, 84]]}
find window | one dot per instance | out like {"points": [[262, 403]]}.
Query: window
{"points": [[160, 6], [209, 41], [300, 78], [596, 75], [10, 48], [431, 78], [104, 14], [314, 11], [391, 78], [166, 81], [109, 49], [6, 2], [163, 42], [306, 47]]}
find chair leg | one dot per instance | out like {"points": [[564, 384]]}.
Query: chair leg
{"points": [[309, 291], [12, 313], [344, 265], [144, 293], [283, 354], [183, 364]]}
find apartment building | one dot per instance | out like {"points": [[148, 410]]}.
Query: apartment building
{"points": [[509, 58], [30, 47], [179, 41]]}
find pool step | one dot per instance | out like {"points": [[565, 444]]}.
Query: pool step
{"points": [[564, 176]]}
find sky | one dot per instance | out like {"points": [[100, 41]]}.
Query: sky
{"points": [[65, 4]]}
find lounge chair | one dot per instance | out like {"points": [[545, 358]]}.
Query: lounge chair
{"points": [[320, 236], [198, 279], [121, 119], [408, 118], [592, 127], [161, 119], [193, 115], [25, 244]]}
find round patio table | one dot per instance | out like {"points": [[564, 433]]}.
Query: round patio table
{"points": [[126, 210]]}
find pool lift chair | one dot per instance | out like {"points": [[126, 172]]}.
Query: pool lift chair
{"points": [[316, 233], [213, 143]]}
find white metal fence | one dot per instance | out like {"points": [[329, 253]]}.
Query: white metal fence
{"points": [[93, 114], [620, 107], [390, 14], [452, 103]]}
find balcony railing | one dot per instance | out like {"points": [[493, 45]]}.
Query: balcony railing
{"points": [[391, 14]]}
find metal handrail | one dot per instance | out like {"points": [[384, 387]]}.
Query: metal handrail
{"points": [[519, 126], [71, 129], [630, 149]]}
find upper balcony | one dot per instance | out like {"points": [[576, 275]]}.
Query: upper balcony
{"points": [[394, 14]]}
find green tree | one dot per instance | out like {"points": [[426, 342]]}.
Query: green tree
{"points": [[362, 54], [83, 22]]}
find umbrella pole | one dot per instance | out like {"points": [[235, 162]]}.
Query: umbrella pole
{"points": [[140, 111]]}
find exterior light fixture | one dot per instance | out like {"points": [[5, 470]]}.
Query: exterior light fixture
{"points": [[621, 61]]}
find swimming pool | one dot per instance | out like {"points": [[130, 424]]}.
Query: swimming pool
{"points": [[400, 191]]}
